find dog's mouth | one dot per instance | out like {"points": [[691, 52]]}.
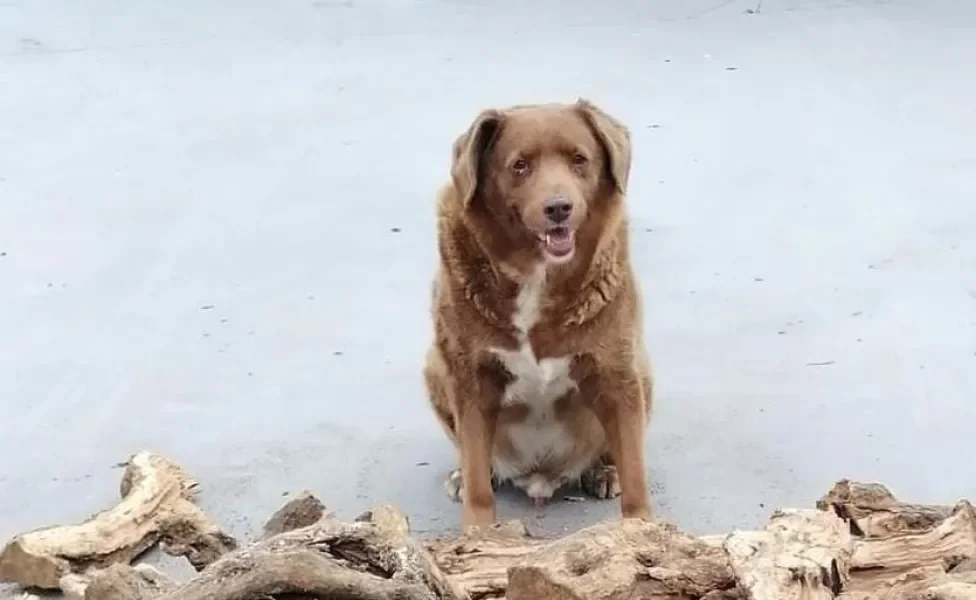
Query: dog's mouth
{"points": [[559, 242]]}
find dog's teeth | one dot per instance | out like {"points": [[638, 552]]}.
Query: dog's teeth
{"points": [[548, 238]]}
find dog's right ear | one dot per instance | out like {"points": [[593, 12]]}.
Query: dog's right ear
{"points": [[469, 152]]}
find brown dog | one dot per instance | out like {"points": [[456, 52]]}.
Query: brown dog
{"points": [[538, 369]]}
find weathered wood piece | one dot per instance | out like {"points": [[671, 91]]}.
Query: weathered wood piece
{"points": [[905, 551], [878, 560], [19, 596], [622, 559], [370, 559], [157, 504], [117, 582], [301, 511], [478, 561], [920, 584], [874, 512], [800, 555]]}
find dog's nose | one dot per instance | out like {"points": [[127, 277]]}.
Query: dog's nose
{"points": [[557, 208]]}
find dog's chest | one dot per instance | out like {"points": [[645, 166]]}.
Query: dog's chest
{"points": [[535, 383], [540, 438]]}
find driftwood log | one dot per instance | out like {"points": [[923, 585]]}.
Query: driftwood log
{"points": [[905, 551], [157, 506], [860, 543], [371, 558]]}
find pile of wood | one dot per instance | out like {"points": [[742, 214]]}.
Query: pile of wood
{"points": [[859, 543]]}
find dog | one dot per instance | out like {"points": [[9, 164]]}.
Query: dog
{"points": [[538, 370]]}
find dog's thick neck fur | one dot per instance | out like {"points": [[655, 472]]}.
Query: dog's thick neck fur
{"points": [[493, 271]]}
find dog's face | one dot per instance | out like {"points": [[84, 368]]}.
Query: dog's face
{"points": [[542, 173]]}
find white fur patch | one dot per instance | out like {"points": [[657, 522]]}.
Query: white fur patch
{"points": [[537, 384], [528, 303]]}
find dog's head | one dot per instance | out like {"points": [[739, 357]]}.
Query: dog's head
{"points": [[543, 175]]}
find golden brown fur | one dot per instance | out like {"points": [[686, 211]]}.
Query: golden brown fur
{"points": [[538, 370]]}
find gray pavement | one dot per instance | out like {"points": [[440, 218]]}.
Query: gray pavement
{"points": [[216, 240]]}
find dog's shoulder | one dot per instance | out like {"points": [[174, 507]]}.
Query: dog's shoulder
{"points": [[455, 246], [466, 292], [448, 205]]}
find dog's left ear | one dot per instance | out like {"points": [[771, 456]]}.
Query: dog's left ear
{"points": [[615, 138]]}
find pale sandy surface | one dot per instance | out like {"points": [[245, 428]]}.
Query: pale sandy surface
{"points": [[197, 204]]}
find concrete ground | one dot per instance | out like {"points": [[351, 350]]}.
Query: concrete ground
{"points": [[216, 242]]}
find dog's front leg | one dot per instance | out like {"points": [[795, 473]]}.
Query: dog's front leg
{"points": [[475, 438], [620, 406]]}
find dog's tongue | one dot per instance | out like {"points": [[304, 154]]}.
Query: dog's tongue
{"points": [[559, 241]]}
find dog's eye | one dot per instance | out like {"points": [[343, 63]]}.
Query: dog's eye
{"points": [[579, 160], [520, 166]]}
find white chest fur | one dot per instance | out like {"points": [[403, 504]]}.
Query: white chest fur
{"points": [[536, 384]]}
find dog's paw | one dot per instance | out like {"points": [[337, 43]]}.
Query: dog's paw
{"points": [[601, 481], [454, 486]]}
